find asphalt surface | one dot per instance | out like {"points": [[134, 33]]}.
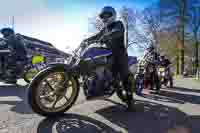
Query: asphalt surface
{"points": [[174, 110]]}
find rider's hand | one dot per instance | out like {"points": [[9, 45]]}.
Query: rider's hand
{"points": [[103, 39], [84, 44]]}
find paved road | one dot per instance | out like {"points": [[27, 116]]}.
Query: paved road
{"points": [[174, 109]]}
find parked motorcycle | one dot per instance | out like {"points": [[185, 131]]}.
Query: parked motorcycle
{"points": [[24, 69], [55, 89], [33, 66], [165, 76]]}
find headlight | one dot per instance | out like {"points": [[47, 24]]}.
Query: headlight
{"points": [[163, 74]]}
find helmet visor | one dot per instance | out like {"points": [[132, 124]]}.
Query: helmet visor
{"points": [[105, 15]]}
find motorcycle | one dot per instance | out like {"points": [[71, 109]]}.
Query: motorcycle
{"points": [[88, 68], [24, 69], [165, 76]]}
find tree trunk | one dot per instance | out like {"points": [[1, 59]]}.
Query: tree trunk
{"points": [[182, 60], [196, 56], [177, 65], [182, 51]]}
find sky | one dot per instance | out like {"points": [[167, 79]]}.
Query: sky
{"points": [[60, 22]]}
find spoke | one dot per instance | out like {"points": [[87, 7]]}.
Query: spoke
{"points": [[65, 82], [49, 85], [48, 95], [66, 98], [54, 104]]}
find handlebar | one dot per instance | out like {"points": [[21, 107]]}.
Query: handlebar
{"points": [[84, 45]]}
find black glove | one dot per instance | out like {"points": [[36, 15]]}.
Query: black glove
{"points": [[84, 44], [104, 39]]}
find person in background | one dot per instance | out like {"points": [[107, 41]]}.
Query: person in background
{"points": [[152, 59], [3, 56], [18, 53], [165, 62]]}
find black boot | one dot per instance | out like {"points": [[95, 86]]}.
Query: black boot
{"points": [[130, 101], [131, 106]]}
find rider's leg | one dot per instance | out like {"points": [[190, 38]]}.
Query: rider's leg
{"points": [[11, 70], [170, 77], [157, 81], [123, 70], [115, 71]]}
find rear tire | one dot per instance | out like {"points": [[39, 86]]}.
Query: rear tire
{"points": [[33, 88], [120, 91]]}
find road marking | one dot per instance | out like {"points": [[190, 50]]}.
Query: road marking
{"points": [[10, 98]]}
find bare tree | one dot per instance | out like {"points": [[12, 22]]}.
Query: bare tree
{"points": [[195, 25], [128, 16], [174, 12], [133, 35], [150, 19]]}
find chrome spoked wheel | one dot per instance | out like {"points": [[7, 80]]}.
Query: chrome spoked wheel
{"points": [[56, 92]]}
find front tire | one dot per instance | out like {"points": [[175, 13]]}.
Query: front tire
{"points": [[34, 88]]}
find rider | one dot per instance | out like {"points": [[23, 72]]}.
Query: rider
{"points": [[153, 57], [164, 61], [18, 52], [113, 36]]}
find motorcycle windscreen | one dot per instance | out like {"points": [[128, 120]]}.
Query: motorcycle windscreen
{"points": [[96, 53]]}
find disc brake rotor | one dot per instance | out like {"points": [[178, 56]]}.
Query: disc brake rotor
{"points": [[54, 87]]}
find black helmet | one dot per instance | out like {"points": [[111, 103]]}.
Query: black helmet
{"points": [[7, 31], [108, 14], [150, 48], [162, 56]]}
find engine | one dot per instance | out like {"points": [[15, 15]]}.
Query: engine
{"points": [[98, 81]]}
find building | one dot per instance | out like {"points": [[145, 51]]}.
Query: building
{"points": [[36, 46]]}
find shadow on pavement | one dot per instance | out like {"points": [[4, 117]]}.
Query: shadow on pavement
{"points": [[149, 118], [19, 106], [162, 98], [183, 89], [181, 97], [73, 123]]}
